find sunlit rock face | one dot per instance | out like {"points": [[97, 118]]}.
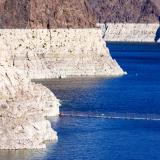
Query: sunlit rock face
{"points": [[59, 53], [23, 107], [44, 53], [29, 54], [131, 32]]}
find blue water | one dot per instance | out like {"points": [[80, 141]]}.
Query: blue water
{"points": [[90, 134]]}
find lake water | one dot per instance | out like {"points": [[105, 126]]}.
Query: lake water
{"points": [[86, 131]]}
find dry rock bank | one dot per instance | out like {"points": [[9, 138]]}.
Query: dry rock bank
{"points": [[59, 52], [75, 13], [23, 108], [130, 32], [28, 54]]}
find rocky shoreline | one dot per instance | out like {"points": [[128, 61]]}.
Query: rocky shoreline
{"points": [[23, 108], [59, 53], [31, 48], [28, 54], [130, 32]]}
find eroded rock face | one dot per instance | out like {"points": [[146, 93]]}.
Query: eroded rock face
{"points": [[126, 11], [59, 53], [131, 32], [75, 13], [46, 14], [23, 107], [61, 14]]}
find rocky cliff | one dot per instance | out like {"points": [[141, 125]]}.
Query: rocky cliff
{"points": [[44, 53], [46, 14], [23, 107], [131, 32], [126, 11], [59, 53], [75, 13]]}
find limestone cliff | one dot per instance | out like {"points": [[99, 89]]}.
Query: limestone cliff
{"points": [[28, 54], [44, 53], [130, 32], [23, 108], [59, 53]]}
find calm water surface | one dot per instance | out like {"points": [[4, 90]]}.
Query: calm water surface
{"points": [[92, 136]]}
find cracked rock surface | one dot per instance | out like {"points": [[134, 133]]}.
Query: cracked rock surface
{"points": [[23, 108]]}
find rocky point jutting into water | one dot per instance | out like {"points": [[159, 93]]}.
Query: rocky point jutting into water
{"points": [[23, 107], [36, 54], [50, 52], [44, 53]]}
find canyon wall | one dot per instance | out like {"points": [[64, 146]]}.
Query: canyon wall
{"points": [[46, 14], [130, 32], [35, 54], [33, 46], [126, 11], [75, 13], [59, 53]]}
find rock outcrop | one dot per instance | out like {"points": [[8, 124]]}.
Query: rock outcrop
{"points": [[126, 11], [130, 32], [23, 108], [59, 53], [44, 53], [35, 54], [46, 14], [75, 13]]}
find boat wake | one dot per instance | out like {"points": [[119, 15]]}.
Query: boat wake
{"points": [[113, 115]]}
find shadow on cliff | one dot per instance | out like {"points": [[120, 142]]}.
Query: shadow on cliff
{"points": [[157, 37]]}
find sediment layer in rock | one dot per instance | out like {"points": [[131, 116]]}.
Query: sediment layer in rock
{"points": [[59, 53]]}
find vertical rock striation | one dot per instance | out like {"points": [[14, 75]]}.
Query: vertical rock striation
{"points": [[46, 14], [59, 53], [130, 32]]}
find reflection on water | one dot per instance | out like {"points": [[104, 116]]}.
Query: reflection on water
{"points": [[39, 154], [21, 154], [25, 154]]}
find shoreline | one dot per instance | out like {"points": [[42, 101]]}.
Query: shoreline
{"points": [[29, 54]]}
